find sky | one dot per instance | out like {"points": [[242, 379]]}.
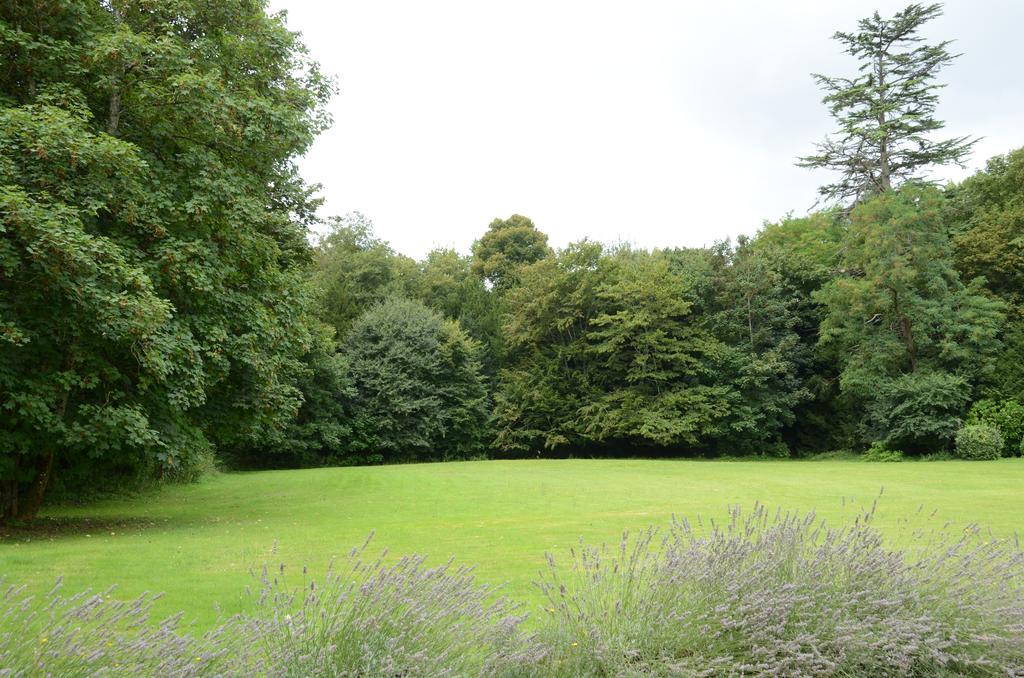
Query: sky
{"points": [[651, 122]]}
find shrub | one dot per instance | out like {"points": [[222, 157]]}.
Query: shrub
{"points": [[367, 618], [370, 618], [95, 634], [918, 412], [879, 452], [1006, 415], [979, 441], [783, 594]]}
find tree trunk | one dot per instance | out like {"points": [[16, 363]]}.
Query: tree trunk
{"points": [[9, 496], [884, 168], [114, 112], [25, 505], [27, 509]]}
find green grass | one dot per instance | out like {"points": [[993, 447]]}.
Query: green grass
{"points": [[198, 542]]}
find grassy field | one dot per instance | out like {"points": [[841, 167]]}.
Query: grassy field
{"points": [[198, 542]]}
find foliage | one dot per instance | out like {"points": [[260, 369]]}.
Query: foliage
{"points": [[320, 430], [785, 594], [91, 633], [805, 255], [508, 245], [370, 617], [1005, 415], [601, 350], [152, 234], [911, 339], [355, 270], [448, 285], [756, 313], [979, 441], [886, 113], [987, 215], [417, 390], [990, 209], [879, 452], [373, 616], [917, 412]]}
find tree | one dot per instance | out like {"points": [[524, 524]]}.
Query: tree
{"points": [[448, 285], [418, 393], [990, 236], [989, 214], [911, 339], [545, 378], [152, 234], [654, 362], [508, 245], [603, 349], [756, 314], [804, 254], [354, 270], [886, 114]]}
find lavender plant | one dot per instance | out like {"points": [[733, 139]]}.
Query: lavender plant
{"points": [[367, 618], [372, 618], [95, 634], [763, 594], [771, 594]]}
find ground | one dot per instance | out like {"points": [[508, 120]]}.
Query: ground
{"points": [[198, 542]]}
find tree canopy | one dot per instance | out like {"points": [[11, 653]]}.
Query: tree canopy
{"points": [[152, 233]]}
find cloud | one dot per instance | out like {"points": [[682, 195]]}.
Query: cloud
{"points": [[661, 123]]}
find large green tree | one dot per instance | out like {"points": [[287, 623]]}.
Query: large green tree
{"points": [[989, 225], [507, 246], [417, 389], [448, 285], [911, 338], [604, 351], [152, 233], [756, 313], [886, 113]]}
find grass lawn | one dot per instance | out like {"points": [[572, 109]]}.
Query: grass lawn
{"points": [[197, 542]]}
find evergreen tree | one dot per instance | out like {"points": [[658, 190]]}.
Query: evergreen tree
{"points": [[886, 113]]}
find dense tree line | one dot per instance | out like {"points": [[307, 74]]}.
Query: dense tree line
{"points": [[846, 328], [161, 302]]}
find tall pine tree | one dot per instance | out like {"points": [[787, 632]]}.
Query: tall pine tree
{"points": [[886, 113]]}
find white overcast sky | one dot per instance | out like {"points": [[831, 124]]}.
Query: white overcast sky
{"points": [[658, 123]]}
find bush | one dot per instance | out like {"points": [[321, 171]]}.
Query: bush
{"points": [[918, 412], [879, 452], [782, 594], [979, 441], [367, 618], [371, 618], [1006, 415]]}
